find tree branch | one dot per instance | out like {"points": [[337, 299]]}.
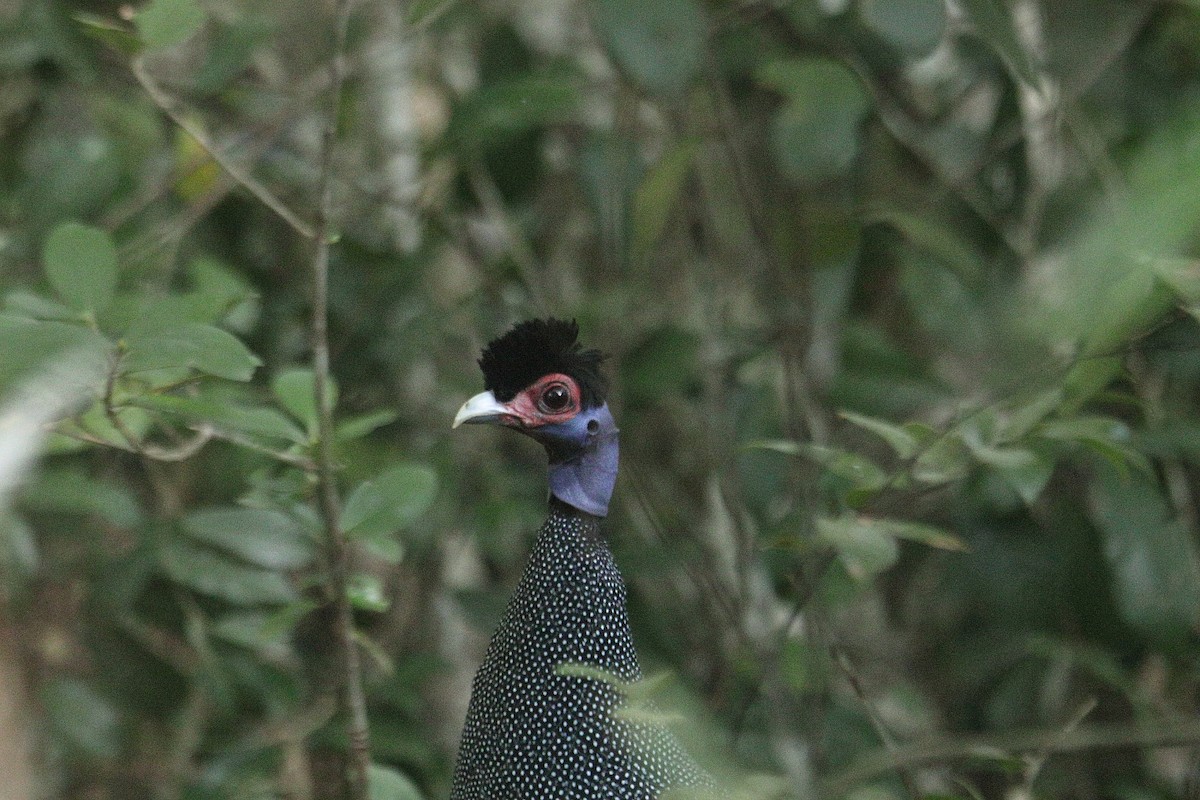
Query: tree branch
{"points": [[168, 106], [352, 695], [881, 730]]}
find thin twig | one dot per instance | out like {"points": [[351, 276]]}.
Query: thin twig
{"points": [[488, 195], [1035, 761], [169, 107], [205, 432], [1165, 733], [352, 695], [292, 459], [262, 136], [881, 729], [83, 434], [137, 444], [110, 410]]}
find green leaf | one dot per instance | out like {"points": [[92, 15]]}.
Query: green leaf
{"points": [[217, 575], [204, 348], [1105, 429], [390, 502], [422, 13], [81, 354], [900, 440], [859, 470], [1120, 456], [995, 26], [1021, 419], [1110, 287], [19, 557], [65, 490], [1129, 307], [1028, 480], [785, 446], [386, 783], [366, 593], [364, 502], [359, 426], [802, 665], [648, 715], [645, 689], [385, 547], [260, 536], [81, 264], [1109, 437], [282, 620], [660, 45], [95, 423], [164, 23], [589, 672], [1086, 379], [109, 33], [1182, 276], [263, 422], [501, 111], [1001, 457], [924, 534], [913, 26], [254, 630], [943, 243], [864, 546], [82, 717], [865, 477], [656, 196], [1025, 470], [1152, 556], [217, 296], [816, 134], [29, 304], [295, 392], [943, 461]]}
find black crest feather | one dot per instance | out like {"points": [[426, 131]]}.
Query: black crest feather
{"points": [[539, 347]]}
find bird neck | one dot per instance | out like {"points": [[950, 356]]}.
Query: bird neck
{"points": [[583, 476]]}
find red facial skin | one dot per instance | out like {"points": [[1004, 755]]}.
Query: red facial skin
{"points": [[528, 410]]}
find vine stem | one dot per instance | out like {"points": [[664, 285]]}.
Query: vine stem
{"points": [[352, 697]]}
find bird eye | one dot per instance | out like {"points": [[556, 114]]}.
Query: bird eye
{"points": [[556, 398]]}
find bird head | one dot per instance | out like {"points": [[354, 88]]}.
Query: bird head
{"points": [[539, 380]]}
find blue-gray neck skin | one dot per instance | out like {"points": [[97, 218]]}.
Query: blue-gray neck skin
{"points": [[583, 459]]}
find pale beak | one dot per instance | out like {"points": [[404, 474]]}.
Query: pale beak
{"points": [[483, 407]]}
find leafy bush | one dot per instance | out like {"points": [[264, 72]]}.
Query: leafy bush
{"points": [[901, 299]]}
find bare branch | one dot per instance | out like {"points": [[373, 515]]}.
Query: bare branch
{"points": [[881, 729], [169, 107], [352, 695], [522, 254]]}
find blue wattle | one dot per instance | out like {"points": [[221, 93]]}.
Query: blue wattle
{"points": [[583, 459]]}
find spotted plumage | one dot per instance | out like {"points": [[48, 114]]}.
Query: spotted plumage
{"points": [[534, 730]]}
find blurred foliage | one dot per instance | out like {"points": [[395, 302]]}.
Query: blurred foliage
{"points": [[902, 303]]}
